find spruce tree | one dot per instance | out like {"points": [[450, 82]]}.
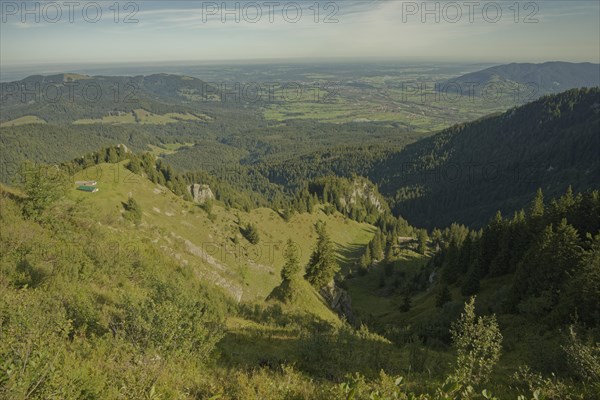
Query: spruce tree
{"points": [[292, 264], [112, 156], [375, 248], [436, 238], [490, 241], [43, 185], [584, 288], [322, 266], [287, 213], [389, 249], [364, 262], [133, 211], [134, 165], [422, 239], [554, 257], [251, 234], [451, 263], [536, 210], [288, 290]]}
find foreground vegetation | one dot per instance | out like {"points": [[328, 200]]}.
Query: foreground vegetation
{"points": [[97, 304]]}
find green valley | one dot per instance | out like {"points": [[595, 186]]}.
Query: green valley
{"points": [[178, 246]]}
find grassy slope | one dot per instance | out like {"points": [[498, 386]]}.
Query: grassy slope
{"points": [[185, 231], [169, 221], [140, 116], [523, 339], [367, 300], [251, 272], [29, 119]]}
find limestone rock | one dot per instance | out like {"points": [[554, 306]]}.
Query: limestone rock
{"points": [[201, 193], [339, 301]]}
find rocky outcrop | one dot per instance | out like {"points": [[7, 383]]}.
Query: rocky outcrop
{"points": [[123, 148], [339, 301], [201, 193], [362, 191]]}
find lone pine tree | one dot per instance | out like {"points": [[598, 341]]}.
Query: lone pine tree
{"points": [[322, 266]]}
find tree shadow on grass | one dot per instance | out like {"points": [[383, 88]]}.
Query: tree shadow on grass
{"points": [[326, 354], [348, 255]]}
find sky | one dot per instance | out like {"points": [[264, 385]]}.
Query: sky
{"points": [[48, 32]]}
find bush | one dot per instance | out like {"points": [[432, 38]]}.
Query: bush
{"points": [[543, 388], [584, 358], [250, 232], [133, 211], [478, 342], [417, 357], [33, 328], [43, 185]]}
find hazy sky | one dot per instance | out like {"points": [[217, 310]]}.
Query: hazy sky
{"points": [[171, 31]]}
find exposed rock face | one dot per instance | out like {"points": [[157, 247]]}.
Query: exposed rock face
{"points": [[362, 191], [432, 276], [124, 148], [339, 301], [201, 193]]}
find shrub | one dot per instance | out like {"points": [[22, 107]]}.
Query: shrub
{"points": [[133, 211], [478, 342], [250, 232], [584, 358], [43, 187]]}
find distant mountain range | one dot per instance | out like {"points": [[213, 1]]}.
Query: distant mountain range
{"points": [[535, 79], [63, 98]]}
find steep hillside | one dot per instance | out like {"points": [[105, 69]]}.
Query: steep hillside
{"points": [[169, 296], [140, 293], [469, 171], [212, 241]]}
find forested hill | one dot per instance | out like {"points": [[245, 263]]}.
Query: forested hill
{"points": [[469, 171], [545, 78], [65, 98]]}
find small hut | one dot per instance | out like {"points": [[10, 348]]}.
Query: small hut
{"points": [[89, 189]]}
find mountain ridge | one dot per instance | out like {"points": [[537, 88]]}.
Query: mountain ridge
{"points": [[543, 78], [513, 153]]}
